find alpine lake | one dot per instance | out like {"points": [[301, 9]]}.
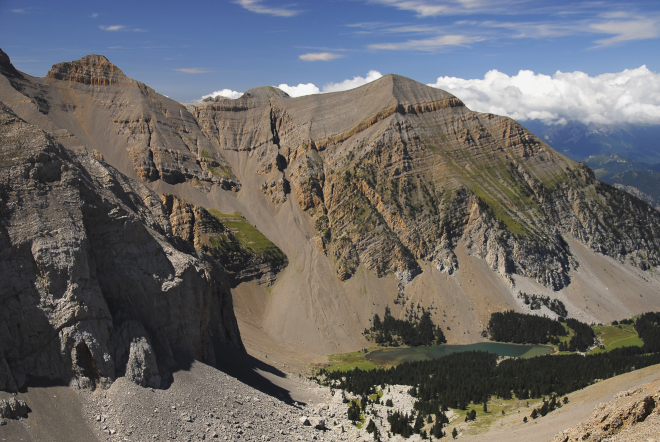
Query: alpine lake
{"points": [[394, 356]]}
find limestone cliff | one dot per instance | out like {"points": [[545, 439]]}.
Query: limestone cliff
{"points": [[395, 172], [96, 284], [241, 249]]}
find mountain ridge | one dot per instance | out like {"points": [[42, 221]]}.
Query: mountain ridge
{"points": [[390, 190]]}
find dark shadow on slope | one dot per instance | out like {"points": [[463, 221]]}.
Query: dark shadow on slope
{"points": [[242, 366]]}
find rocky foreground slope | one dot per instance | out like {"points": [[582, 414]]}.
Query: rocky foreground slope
{"points": [[632, 415], [393, 193]]}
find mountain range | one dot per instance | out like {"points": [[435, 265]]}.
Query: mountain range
{"points": [[135, 227]]}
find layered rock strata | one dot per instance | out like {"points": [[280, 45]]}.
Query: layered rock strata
{"points": [[242, 260], [96, 284], [395, 171], [99, 108]]}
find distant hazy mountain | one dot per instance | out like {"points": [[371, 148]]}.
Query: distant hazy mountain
{"points": [[626, 156], [578, 141]]}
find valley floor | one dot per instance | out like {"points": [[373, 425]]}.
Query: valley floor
{"points": [[204, 403]]}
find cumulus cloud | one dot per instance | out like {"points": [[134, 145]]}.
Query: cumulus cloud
{"points": [[352, 83], [227, 93], [319, 56], [259, 8], [300, 90], [631, 96], [310, 88]]}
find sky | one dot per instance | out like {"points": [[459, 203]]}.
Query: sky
{"points": [[594, 61]]}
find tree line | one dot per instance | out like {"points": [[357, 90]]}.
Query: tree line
{"points": [[522, 328], [414, 331], [458, 379], [647, 327]]}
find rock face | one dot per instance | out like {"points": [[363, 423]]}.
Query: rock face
{"points": [[102, 108], [390, 180], [395, 171], [631, 415], [242, 260], [96, 283], [92, 69], [648, 199], [392, 172]]}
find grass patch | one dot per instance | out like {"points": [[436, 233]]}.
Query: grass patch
{"points": [[494, 414], [248, 235], [205, 154], [616, 336], [350, 361]]}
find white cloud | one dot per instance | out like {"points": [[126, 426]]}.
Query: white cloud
{"points": [[432, 8], [300, 90], [631, 96], [319, 56], [430, 44], [259, 8], [116, 28], [310, 88], [193, 70], [639, 29], [227, 93], [352, 84], [95, 14], [113, 28]]}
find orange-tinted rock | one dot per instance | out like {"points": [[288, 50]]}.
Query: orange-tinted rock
{"points": [[91, 69]]}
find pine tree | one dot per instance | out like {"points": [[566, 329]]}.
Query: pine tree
{"points": [[454, 433]]}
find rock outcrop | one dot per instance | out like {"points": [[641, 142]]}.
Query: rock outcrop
{"points": [[13, 408], [96, 284], [632, 415], [92, 69], [242, 250]]}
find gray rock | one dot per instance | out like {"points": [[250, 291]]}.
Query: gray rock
{"points": [[97, 286], [13, 408], [142, 367]]}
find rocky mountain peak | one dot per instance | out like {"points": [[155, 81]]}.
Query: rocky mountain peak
{"points": [[5, 64], [91, 69], [266, 92]]}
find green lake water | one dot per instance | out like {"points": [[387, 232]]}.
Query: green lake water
{"points": [[395, 356]]}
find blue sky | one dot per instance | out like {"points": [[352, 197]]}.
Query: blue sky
{"points": [[189, 49]]}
